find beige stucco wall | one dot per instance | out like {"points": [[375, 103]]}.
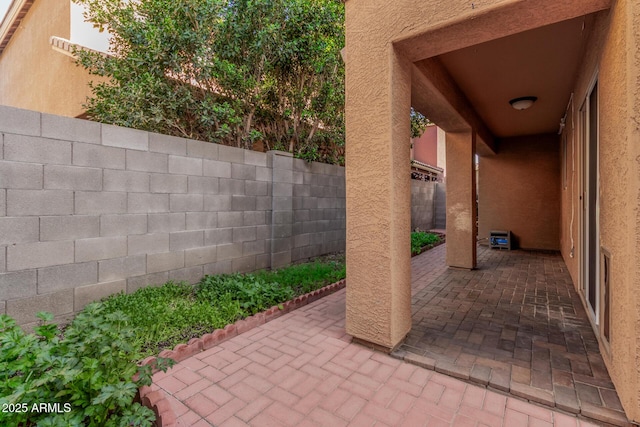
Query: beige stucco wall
{"points": [[519, 191], [378, 82], [617, 202], [461, 200], [633, 136], [36, 77], [378, 204], [619, 227], [613, 56], [570, 197]]}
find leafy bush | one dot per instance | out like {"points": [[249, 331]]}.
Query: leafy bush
{"points": [[233, 72], [419, 123], [88, 372], [420, 239]]}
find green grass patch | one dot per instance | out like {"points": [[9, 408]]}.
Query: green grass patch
{"points": [[420, 239], [174, 313], [304, 278], [171, 314]]}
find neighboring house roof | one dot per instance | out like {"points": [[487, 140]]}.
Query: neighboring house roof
{"points": [[18, 9], [67, 47], [16, 12], [425, 167], [63, 45]]}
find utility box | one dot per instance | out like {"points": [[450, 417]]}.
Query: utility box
{"points": [[500, 239]]}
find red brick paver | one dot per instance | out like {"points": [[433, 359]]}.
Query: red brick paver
{"points": [[258, 379]]}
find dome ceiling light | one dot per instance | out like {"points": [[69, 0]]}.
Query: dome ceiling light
{"points": [[523, 102]]}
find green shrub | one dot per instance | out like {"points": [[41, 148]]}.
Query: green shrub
{"points": [[420, 239], [88, 371]]}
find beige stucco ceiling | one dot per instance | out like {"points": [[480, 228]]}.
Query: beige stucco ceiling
{"points": [[542, 62]]}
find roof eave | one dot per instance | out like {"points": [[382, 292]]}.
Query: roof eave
{"points": [[67, 47], [426, 167], [16, 12]]}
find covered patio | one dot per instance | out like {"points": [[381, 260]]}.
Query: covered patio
{"points": [[559, 171], [514, 324]]}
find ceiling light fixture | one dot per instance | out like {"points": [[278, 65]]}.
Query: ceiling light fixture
{"points": [[523, 102]]}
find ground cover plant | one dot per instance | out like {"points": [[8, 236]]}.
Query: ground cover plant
{"points": [[174, 313], [420, 239], [87, 374], [84, 375]]}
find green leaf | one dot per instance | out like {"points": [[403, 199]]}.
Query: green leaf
{"points": [[236, 73]]}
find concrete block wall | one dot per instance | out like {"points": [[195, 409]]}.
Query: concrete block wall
{"points": [[88, 209], [422, 204], [319, 209]]}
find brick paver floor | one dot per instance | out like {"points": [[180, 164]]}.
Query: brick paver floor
{"points": [[303, 370], [516, 324]]}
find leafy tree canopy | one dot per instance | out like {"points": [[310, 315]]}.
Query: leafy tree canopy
{"points": [[227, 71], [418, 123]]}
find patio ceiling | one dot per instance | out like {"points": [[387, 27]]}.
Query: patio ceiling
{"points": [[460, 84], [542, 62]]}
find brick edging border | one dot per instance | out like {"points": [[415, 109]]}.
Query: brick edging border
{"points": [[157, 401]]}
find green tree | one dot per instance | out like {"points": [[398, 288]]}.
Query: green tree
{"points": [[418, 123], [224, 71]]}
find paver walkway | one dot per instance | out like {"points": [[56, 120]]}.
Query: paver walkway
{"points": [[302, 369], [516, 324]]}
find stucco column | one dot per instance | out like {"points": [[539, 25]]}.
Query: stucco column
{"points": [[378, 191], [461, 199]]}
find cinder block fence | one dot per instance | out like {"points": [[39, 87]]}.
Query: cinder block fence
{"points": [[87, 210], [423, 196]]}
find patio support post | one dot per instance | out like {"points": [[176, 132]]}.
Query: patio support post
{"points": [[378, 92], [461, 199]]}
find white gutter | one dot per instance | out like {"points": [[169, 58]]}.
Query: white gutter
{"points": [[425, 167], [16, 12]]}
